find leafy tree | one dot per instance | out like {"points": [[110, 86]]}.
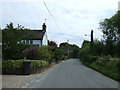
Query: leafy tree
{"points": [[85, 43], [11, 38], [98, 48], [71, 50], [65, 47], [75, 50], [111, 33]]}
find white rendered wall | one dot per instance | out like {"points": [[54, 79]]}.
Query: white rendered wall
{"points": [[45, 40]]}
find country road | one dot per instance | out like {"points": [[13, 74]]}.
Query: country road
{"points": [[72, 74]]}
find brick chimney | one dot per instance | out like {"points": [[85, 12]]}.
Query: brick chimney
{"points": [[44, 27]]}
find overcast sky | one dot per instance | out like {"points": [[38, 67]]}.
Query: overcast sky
{"points": [[74, 18]]}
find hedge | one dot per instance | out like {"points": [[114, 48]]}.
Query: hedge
{"points": [[109, 68], [16, 66]]}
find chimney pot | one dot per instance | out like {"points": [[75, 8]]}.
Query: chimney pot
{"points": [[44, 27]]}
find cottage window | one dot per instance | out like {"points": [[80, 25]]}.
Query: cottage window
{"points": [[27, 41]]}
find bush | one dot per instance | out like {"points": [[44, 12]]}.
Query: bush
{"points": [[31, 53], [110, 68], [58, 54], [47, 53], [35, 64], [44, 53], [38, 53], [16, 66], [11, 64], [64, 57]]}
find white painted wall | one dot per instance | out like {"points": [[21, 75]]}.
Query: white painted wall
{"points": [[45, 40], [36, 42]]}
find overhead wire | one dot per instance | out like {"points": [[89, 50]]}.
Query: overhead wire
{"points": [[43, 11], [52, 16], [56, 22]]}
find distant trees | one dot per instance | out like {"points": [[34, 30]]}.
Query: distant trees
{"points": [[70, 50]]}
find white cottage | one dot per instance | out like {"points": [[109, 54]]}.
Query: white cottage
{"points": [[36, 37]]}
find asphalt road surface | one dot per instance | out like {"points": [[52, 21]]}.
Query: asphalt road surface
{"points": [[72, 74]]}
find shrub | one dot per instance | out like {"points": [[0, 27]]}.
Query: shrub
{"points": [[35, 64], [44, 53], [58, 54], [110, 68], [84, 53], [64, 57], [11, 64], [31, 53], [16, 66], [38, 53]]}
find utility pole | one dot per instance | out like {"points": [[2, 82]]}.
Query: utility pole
{"points": [[91, 37], [68, 51], [91, 42]]}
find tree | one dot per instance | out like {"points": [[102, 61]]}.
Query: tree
{"points": [[75, 51], [11, 38], [71, 50], [111, 33]]}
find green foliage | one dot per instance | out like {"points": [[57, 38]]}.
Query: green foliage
{"points": [[108, 67], [100, 55], [58, 54], [98, 48], [31, 53], [11, 49], [11, 65], [47, 53], [85, 44], [84, 51], [36, 64], [70, 50], [44, 53], [64, 57], [98, 60], [111, 34], [75, 50]]}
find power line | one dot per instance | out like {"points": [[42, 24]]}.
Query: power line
{"points": [[51, 16], [56, 22]]}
